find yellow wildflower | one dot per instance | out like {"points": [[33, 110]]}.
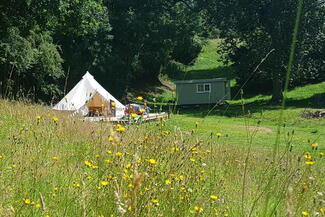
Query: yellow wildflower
{"points": [[181, 178], [38, 205], [322, 210], [154, 201], [55, 118], [314, 145], [14, 166], [142, 110], [120, 128], [118, 154], [225, 214], [322, 154], [88, 163], [133, 115], [113, 104], [104, 183], [167, 182], [128, 166], [192, 159], [27, 201], [54, 158], [38, 117], [152, 161], [110, 138], [213, 197], [307, 155], [76, 185], [198, 209], [140, 98], [107, 161], [218, 134], [310, 162], [109, 152], [305, 213]]}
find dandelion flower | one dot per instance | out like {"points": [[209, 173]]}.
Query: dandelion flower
{"points": [[110, 138], [140, 98], [113, 104], [322, 210], [322, 154], [133, 115], [77, 185], [142, 110], [167, 182], [192, 159], [225, 214], [118, 154], [314, 145], [88, 163], [198, 209], [181, 178], [310, 162], [305, 213], [55, 118], [155, 201], [152, 161], [104, 183], [213, 197], [27, 201], [38, 117], [307, 155], [120, 128], [38, 205], [218, 134], [54, 158]]}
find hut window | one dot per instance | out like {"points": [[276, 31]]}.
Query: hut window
{"points": [[203, 88]]}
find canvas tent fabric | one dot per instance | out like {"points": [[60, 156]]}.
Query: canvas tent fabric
{"points": [[76, 100]]}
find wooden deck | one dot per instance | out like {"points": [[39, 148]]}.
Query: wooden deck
{"points": [[145, 118]]}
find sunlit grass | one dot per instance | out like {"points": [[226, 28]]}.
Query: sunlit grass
{"points": [[56, 165]]}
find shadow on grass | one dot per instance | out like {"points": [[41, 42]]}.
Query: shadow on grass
{"points": [[317, 101]]}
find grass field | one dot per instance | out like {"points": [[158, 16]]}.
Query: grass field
{"points": [[196, 163], [232, 160]]}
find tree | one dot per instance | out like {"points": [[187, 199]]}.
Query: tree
{"points": [[30, 63], [148, 35], [254, 28]]}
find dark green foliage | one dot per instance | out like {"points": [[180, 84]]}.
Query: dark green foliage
{"points": [[252, 29], [148, 35]]}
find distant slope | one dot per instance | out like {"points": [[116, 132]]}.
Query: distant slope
{"points": [[209, 64]]}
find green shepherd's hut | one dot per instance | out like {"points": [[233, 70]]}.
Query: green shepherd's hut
{"points": [[202, 91]]}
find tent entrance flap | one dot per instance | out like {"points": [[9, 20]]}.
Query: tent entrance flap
{"points": [[98, 106]]}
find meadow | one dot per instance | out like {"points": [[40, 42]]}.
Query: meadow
{"points": [[221, 161], [237, 159]]}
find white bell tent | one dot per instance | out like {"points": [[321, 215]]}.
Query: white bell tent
{"points": [[88, 96]]}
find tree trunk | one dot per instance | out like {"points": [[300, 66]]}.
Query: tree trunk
{"points": [[277, 88]]}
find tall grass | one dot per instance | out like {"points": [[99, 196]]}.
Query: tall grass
{"points": [[56, 165]]}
